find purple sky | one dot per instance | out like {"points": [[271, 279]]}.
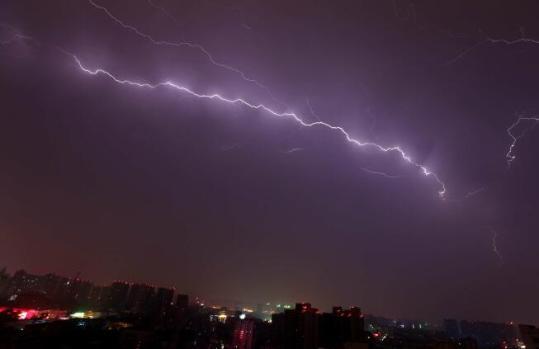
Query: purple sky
{"points": [[224, 201]]}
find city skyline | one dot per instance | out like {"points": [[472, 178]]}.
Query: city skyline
{"points": [[146, 315], [22, 282]]}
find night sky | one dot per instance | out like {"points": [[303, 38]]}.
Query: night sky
{"points": [[227, 202]]}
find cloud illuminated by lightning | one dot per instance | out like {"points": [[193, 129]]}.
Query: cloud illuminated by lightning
{"points": [[509, 155], [261, 107], [184, 43]]}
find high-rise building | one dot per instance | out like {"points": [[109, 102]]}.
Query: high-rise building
{"points": [[55, 286], [117, 296], [341, 327], [139, 298], [303, 327], [296, 328], [80, 292], [97, 297], [22, 282], [162, 301], [243, 333]]}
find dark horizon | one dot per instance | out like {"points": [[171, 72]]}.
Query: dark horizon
{"points": [[224, 199]]}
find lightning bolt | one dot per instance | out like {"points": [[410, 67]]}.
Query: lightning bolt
{"points": [[474, 192], [379, 173], [425, 171], [189, 44], [14, 35], [509, 155], [522, 39], [163, 10], [311, 109], [464, 52], [293, 150], [495, 247], [490, 40], [364, 169], [512, 42], [261, 107]]}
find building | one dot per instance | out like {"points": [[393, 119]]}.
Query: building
{"points": [[97, 297], [23, 282], [117, 297], [161, 304], [80, 291], [243, 333], [139, 299], [304, 327], [341, 328], [164, 297], [296, 328], [55, 287], [182, 301]]}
